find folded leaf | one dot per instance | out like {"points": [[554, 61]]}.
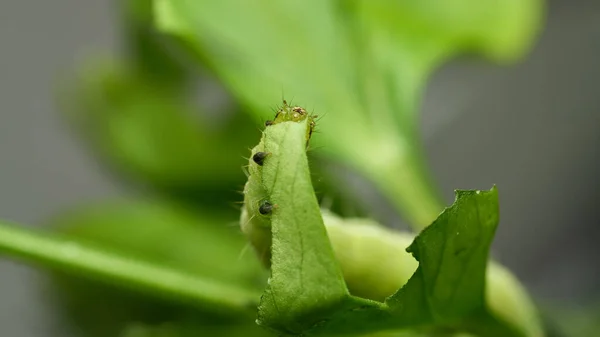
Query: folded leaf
{"points": [[307, 292]]}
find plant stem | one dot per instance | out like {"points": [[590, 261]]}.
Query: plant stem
{"points": [[80, 259], [407, 184]]}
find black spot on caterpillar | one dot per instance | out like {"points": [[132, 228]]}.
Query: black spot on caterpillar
{"points": [[265, 207], [259, 157]]}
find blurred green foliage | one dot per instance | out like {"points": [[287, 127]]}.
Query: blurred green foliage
{"points": [[362, 65]]}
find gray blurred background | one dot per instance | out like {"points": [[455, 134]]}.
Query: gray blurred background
{"points": [[533, 129]]}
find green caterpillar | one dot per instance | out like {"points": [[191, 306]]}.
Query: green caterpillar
{"points": [[350, 238], [255, 220]]}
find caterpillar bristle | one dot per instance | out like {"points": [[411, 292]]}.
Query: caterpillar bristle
{"points": [[235, 207], [326, 202], [243, 251], [245, 170], [320, 116], [249, 220]]}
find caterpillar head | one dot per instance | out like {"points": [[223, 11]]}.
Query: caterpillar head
{"points": [[289, 113]]}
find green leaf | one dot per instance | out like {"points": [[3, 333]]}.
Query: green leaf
{"points": [[447, 291], [452, 254], [118, 262], [138, 116], [361, 63], [198, 243], [76, 258], [191, 328], [148, 132], [158, 58]]}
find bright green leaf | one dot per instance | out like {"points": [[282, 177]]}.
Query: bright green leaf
{"points": [[199, 241], [196, 242], [81, 259], [152, 135], [118, 262], [155, 56], [190, 327], [138, 115], [452, 254]]}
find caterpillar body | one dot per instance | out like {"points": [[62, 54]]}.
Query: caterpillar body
{"points": [[255, 218], [357, 243]]}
